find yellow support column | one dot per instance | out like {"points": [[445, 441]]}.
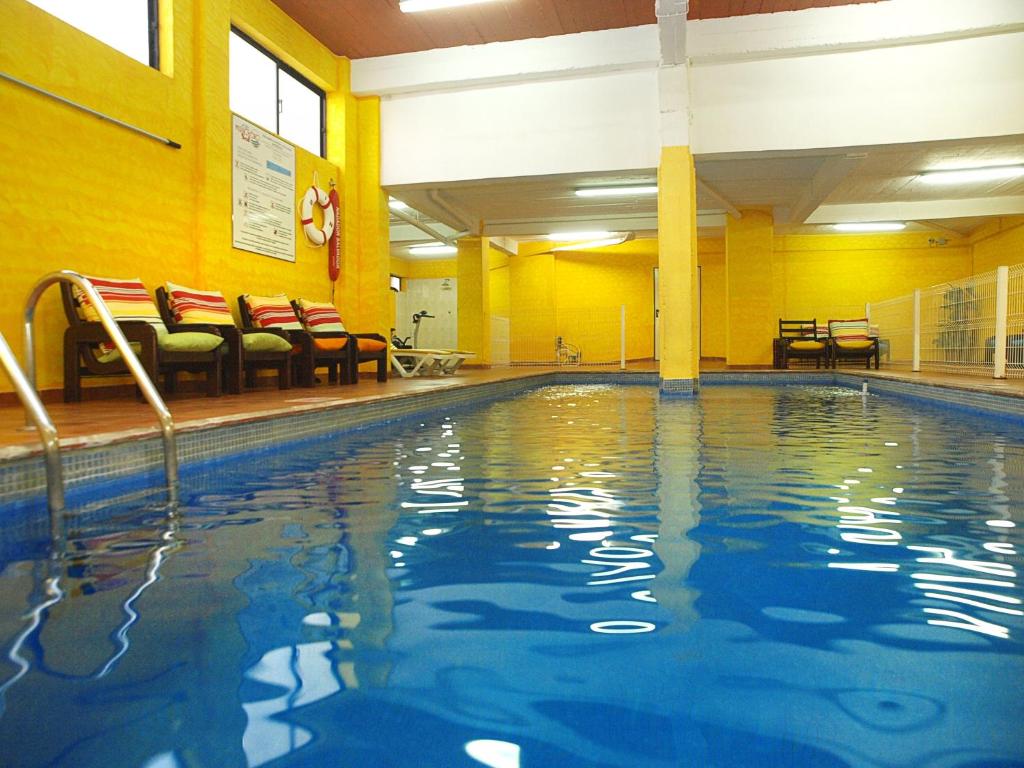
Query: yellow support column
{"points": [[752, 320], [474, 287], [677, 272], [374, 254]]}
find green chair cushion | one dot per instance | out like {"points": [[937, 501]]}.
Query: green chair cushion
{"points": [[188, 341], [265, 342]]}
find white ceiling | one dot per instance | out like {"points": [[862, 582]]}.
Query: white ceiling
{"points": [[805, 189]]}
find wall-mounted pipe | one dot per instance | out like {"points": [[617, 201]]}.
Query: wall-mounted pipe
{"points": [[162, 139]]}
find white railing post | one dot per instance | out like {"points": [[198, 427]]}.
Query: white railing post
{"points": [[622, 338], [916, 364], [1002, 306]]}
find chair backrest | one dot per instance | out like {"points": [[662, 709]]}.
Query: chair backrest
{"points": [[799, 329], [164, 306]]}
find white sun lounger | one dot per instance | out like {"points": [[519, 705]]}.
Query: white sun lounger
{"points": [[427, 362]]}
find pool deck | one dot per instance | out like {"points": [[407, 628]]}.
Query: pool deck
{"points": [[116, 419]]}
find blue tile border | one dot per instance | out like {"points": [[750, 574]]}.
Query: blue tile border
{"points": [[140, 460]]}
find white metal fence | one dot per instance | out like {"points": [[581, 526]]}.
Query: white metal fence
{"points": [[973, 326], [593, 336]]}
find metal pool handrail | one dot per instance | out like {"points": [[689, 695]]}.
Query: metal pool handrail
{"points": [[127, 355], [37, 416]]}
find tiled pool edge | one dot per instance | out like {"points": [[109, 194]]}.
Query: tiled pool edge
{"points": [[24, 478]]}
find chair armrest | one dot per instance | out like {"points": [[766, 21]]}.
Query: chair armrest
{"points": [[95, 333], [194, 328]]}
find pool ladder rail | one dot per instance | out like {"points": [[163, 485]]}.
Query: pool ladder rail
{"points": [[36, 414]]}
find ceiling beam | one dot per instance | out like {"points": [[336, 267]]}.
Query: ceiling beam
{"points": [[718, 197], [1007, 205], [828, 176], [941, 228]]}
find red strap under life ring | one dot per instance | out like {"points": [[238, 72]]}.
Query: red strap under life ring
{"points": [[334, 244]]}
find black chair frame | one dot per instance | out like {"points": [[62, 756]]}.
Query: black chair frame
{"points": [[803, 330], [81, 345], [236, 360]]}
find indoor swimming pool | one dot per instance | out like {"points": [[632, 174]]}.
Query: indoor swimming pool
{"points": [[581, 576]]}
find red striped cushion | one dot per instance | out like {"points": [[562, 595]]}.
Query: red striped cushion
{"points": [[272, 312], [849, 330], [126, 300], [190, 305], [320, 317]]}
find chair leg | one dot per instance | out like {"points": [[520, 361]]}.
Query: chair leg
{"points": [[283, 376], [213, 375], [72, 375], [382, 368], [171, 381]]}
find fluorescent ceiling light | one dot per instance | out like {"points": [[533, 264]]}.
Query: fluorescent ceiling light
{"points": [[566, 236], [413, 6], [615, 238], [396, 205], [649, 189], [970, 175], [870, 226], [433, 249]]}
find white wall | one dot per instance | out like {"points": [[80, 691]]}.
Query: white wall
{"points": [[951, 89], [599, 123]]}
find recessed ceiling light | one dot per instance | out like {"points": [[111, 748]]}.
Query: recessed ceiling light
{"points": [[433, 249], [647, 189], [566, 236], [414, 6], [870, 226], [970, 175]]}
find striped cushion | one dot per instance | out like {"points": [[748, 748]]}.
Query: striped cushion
{"points": [[849, 330], [272, 312], [190, 305], [126, 300], [320, 317]]}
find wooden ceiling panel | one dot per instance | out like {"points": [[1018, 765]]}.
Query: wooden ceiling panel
{"points": [[363, 28]]}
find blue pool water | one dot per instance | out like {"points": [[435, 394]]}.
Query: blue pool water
{"points": [[582, 576]]}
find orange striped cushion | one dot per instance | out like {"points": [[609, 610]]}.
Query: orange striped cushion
{"points": [[320, 317], [194, 306], [272, 312], [126, 300]]}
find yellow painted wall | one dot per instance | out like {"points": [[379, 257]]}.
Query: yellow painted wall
{"points": [[80, 193], [998, 243], [832, 276]]}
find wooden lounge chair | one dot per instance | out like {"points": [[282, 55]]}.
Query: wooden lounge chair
{"points": [[329, 350], [248, 350], [851, 340], [162, 349], [803, 339], [366, 347]]}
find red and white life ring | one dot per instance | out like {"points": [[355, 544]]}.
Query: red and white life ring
{"points": [[317, 235]]}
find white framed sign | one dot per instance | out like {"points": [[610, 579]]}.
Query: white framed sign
{"points": [[262, 191]]}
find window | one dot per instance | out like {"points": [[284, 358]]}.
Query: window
{"points": [[130, 26], [270, 93], [396, 283]]}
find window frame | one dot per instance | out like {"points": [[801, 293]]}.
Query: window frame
{"points": [[292, 72], [154, 33]]}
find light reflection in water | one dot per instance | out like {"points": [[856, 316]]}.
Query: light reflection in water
{"points": [[872, 526]]}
